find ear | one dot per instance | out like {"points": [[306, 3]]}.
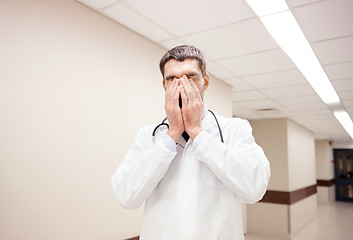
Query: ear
{"points": [[206, 81]]}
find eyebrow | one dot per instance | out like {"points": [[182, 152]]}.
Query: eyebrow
{"points": [[169, 77], [190, 74]]}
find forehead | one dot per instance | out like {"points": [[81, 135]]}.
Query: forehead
{"points": [[178, 68]]}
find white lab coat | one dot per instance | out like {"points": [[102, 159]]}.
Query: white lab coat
{"points": [[195, 192]]}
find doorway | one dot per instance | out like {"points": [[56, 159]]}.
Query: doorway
{"points": [[344, 174]]}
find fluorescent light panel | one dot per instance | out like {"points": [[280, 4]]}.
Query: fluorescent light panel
{"points": [[283, 27], [345, 121], [267, 7]]}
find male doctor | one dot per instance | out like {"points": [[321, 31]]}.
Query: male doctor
{"points": [[191, 179]]}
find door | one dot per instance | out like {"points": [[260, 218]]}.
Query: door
{"points": [[344, 174]]}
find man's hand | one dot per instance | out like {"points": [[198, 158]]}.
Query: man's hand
{"points": [[176, 125], [193, 107]]}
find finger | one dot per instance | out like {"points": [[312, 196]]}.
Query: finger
{"points": [[172, 88], [176, 89], [173, 85], [196, 91], [186, 82], [184, 98], [189, 91], [172, 95]]}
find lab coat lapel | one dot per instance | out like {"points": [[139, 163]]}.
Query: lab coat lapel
{"points": [[208, 121]]}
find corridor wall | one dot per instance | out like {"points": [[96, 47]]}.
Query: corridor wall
{"points": [[75, 87]]}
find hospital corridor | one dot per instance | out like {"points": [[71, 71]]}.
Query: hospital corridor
{"points": [[176, 120]]}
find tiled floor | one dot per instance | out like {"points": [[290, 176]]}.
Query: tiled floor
{"points": [[333, 222]]}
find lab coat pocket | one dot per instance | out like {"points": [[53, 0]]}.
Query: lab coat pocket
{"points": [[210, 179]]}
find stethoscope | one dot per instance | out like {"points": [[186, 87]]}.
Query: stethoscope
{"points": [[163, 123]]}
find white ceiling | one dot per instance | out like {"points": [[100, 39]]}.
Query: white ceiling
{"points": [[241, 52]]}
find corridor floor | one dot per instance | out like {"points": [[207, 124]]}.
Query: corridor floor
{"points": [[333, 222]]}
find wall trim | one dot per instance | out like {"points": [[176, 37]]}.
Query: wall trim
{"points": [[325, 183], [288, 198]]}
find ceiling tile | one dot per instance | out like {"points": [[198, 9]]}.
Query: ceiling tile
{"points": [[301, 108], [169, 44], [343, 85], [328, 127], [238, 111], [296, 3], [339, 71], [322, 110], [276, 79], [326, 19], [297, 90], [268, 115], [218, 70], [350, 111], [334, 51], [299, 100], [251, 116], [238, 84], [348, 103], [131, 19], [320, 120], [348, 95], [270, 61], [98, 4], [247, 95], [233, 40], [307, 125], [253, 105], [184, 16]]}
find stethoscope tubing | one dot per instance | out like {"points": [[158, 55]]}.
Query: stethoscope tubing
{"points": [[163, 123]]}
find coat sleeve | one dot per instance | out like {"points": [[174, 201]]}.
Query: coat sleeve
{"points": [[142, 168], [240, 164]]}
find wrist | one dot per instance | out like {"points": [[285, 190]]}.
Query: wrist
{"points": [[194, 132], [174, 134]]}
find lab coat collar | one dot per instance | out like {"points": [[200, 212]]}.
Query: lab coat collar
{"points": [[208, 120]]}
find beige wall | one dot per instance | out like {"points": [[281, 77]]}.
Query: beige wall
{"points": [[324, 170], [75, 87], [301, 156], [324, 157], [302, 213], [290, 149], [302, 173], [218, 97], [271, 135], [326, 194], [268, 219]]}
